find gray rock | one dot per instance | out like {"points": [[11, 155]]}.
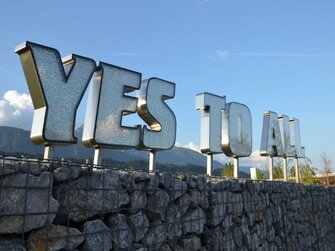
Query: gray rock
{"points": [[199, 199], [141, 177], [91, 194], [202, 182], [140, 247], [98, 236], [138, 199], [237, 205], [227, 223], [235, 186], [228, 242], [219, 184], [217, 210], [152, 185], [178, 247], [166, 180], [121, 234], [58, 237], [31, 207], [139, 224], [32, 167], [270, 235], [238, 238], [256, 242], [192, 183], [64, 173], [156, 235], [217, 240], [193, 221], [127, 181], [178, 188], [11, 243], [165, 247], [248, 203], [192, 243], [184, 203], [173, 222], [156, 205], [8, 167], [246, 232]]}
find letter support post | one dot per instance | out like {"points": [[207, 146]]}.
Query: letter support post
{"points": [[49, 152], [97, 156], [270, 168], [152, 161], [285, 168], [209, 164], [236, 167], [296, 167]]}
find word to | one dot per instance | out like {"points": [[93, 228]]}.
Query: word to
{"points": [[227, 128]]}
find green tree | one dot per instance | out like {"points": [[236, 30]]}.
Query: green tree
{"points": [[278, 171], [307, 173], [228, 170], [259, 174]]}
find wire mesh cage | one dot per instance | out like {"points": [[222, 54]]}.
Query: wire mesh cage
{"points": [[60, 205]]}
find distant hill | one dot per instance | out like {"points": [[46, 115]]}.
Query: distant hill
{"points": [[15, 140]]}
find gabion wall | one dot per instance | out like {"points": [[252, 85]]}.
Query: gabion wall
{"points": [[57, 206]]}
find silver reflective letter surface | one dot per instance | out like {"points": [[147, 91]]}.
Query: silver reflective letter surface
{"points": [[271, 143], [288, 146], [296, 140], [211, 107], [157, 114], [236, 130], [56, 89], [107, 103]]}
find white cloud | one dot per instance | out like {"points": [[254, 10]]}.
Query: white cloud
{"points": [[219, 54], [275, 54], [190, 145], [222, 158], [16, 110], [224, 54], [17, 100], [255, 160]]}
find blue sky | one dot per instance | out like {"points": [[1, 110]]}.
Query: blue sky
{"points": [[269, 55]]}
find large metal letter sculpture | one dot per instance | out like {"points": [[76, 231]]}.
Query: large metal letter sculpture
{"points": [[236, 132], [56, 87], [271, 143], [288, 147], [281, 138], [160, 118], [107, 103], [296, 141], [211, 107], [224, 128]]}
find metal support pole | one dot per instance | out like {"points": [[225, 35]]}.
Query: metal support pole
{"points": [[285, 169], [270, 168], [209, 164], [152, 161], [296, 167], [97, 157], [49, 152], [236, 167]]}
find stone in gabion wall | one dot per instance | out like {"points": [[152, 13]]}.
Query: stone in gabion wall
{"points": [[79, 208], [24, 193]]}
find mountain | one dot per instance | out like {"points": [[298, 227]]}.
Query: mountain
{"points": [[15, 140]]}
